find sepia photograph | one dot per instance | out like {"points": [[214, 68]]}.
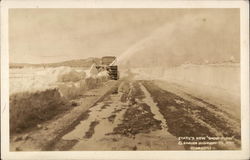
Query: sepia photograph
{"points": [[124, 79]]}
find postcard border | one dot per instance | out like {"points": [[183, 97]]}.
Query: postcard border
{"points": [[244, 10]]}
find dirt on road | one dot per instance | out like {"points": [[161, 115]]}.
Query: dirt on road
{"points": [[140, 115]]}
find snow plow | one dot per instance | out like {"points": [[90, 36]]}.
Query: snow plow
{"points": [[109, 63]]}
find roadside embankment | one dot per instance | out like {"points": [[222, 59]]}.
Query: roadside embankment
{"points": [[44, 137], [33, 104]]}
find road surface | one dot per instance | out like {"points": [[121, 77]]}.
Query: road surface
{"points": [[140, 115]]}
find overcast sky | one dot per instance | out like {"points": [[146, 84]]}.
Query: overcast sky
{"points": [[53, 35]]}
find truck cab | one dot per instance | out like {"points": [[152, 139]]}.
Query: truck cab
{"points": [[109, 63]]}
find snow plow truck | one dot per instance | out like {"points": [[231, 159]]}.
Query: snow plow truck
{"points": [[109, 63]]}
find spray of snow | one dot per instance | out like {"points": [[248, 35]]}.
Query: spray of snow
{"points": [[165, 31]]}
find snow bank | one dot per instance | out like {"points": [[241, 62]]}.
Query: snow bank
{"points": [[72, 76], [38, 79], [220, 76], [71, 82], [149, 73], [64, 74], [224, 76]]}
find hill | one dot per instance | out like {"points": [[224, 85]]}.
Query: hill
{"points": [[71, 63]]}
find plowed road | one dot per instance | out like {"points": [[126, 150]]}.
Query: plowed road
{"points": [[139, 115]]}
